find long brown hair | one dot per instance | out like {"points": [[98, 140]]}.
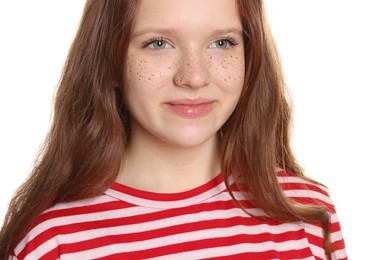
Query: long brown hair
{"points": [[82, 153], [256, 138]]}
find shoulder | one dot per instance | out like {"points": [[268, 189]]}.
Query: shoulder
{"points": [[304, 191], [42, 238]]}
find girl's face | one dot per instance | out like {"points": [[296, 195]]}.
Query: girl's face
{"points": [[184, 69]]}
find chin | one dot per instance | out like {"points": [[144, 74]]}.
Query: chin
{"points": [[189, 141]]}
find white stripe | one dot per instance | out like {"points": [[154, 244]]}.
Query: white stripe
{"points": [[334, 218], [139, 227], [308, 194], [50, 223], [317, 251], [294, 179], [314, 230], [112, 214], [212, 195], [195, 235], [339, 254], [80, 218], [239, 248], [225, 196], [318, 231], [167, 204], [82, 203], [38, 252], [278, 169], [336, 236]]}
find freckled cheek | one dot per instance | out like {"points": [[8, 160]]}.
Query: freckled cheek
{"points": [[229, 71], [143, 71]]}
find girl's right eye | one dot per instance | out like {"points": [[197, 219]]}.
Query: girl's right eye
{"points": [[157, 44]]}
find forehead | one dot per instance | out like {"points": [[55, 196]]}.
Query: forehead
{"points": [[201, 14]]}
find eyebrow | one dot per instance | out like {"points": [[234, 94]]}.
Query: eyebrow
{"points": [[159, 30]]}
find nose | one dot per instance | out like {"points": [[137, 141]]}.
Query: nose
{"points": [[192, 71]]}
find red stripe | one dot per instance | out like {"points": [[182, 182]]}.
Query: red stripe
{"points": [[85, 209], [314, 201], [77, 227], [303, 186], [290, 254], [285, 174], [167, 196], [185, 228], [219, 242], [52, 232], [121, 238]]}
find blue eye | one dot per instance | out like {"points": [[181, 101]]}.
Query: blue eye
{"points": [[157, 44], [223, 43]]}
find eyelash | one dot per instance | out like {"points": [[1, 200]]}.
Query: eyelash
{"points": [[231, 41], [155, 39]]}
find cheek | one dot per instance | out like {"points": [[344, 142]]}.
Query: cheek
{"points": [[139, 71], [229, 71], [138, 78]]}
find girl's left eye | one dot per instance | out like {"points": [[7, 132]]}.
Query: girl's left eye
{"points": [[223, 43]]}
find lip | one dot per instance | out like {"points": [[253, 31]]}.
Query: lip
{"points": [[191, 108]]}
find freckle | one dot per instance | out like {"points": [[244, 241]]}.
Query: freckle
{"points": [[169, 68], [150, 78]]}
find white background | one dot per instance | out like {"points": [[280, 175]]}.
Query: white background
{"points": [[336, 58]]}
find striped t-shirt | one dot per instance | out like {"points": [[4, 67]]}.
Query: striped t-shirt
{"points": [[203, 223]]}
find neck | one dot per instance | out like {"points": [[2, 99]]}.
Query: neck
{"points": [[155, 166]]}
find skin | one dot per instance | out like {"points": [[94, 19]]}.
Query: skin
{"points": [[181, 53]]}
